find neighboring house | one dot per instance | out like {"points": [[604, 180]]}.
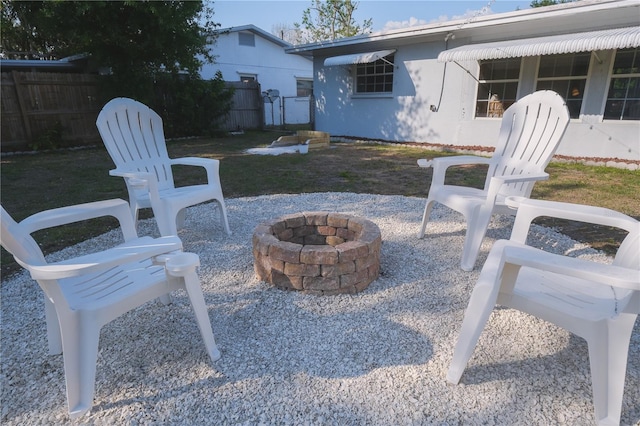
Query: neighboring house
{"points": [[449, 82], [247, 53]]}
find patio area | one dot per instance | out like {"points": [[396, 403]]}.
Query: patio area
{"points": [[378, 357]]}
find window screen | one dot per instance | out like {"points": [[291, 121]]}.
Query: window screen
{"points": [[566, 75], [497, 87], [623, 100]]}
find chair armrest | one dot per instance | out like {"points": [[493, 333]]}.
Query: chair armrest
{"points": [[606, 274], [137, 180], [529, 209], [212, 166], [193, 161], [456, 160], [496, 182], [503, 180], [132, 251], [441, 164], [70, 214]]}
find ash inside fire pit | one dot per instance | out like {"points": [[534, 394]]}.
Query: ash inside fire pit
{"points": [[318, 252]]}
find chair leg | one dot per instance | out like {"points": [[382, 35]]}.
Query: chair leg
{"points": [[476, 230], [80, 353], [134, 212], [223, 216], [180, 218], [183, 266], [54, 338], [425, 216], [166, 221], [608, 352], [192, 285], [481, 304]]}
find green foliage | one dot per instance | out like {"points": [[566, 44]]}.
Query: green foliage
{"points": [[331, 20], [191, 106], [542, 3], [51, 138], [134, 37], [151, 51]]}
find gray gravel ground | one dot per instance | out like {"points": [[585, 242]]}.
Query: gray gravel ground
{"points": [[375, 358]]}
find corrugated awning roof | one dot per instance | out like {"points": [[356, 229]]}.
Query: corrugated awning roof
{"points": [[618, 38], [359, 58]]}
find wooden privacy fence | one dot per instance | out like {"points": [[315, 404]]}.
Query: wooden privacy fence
{"points": [[36, 106], [247, 110], [39, 108]]}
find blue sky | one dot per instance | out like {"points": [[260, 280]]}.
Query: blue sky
{"points": [[386, 14]]}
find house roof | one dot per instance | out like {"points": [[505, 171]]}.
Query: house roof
{"points": [[71, 63], [257, 31], [564, 18]]}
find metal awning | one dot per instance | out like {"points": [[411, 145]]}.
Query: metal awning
{"points": [[359, 58], [618, 38]]}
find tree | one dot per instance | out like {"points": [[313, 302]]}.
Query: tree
{"points": [[122, 35], [331, 20], [286, 33], [542, 3], [142, 45]]}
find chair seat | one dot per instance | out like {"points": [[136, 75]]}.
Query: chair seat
{"points": [[575, 297], [195, 194], [466, 200], [114, 286]]}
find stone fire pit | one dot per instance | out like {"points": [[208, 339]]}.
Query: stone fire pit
{"points": [[318, 252]]}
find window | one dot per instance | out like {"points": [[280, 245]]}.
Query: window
{"points": [[498, 86], [304, 87], [623, 100], [566, 75], [246, 39], [375, 77], [248, 78]]}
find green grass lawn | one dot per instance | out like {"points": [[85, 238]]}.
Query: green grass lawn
{"points": [[34, 182]]}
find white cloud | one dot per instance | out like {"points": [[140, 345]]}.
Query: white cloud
{"points": [[469, 16], [412, 22]]}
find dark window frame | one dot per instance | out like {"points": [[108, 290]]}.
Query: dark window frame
{"points": [[301, 90], [565, 74], [498, 82], [375, 77]]}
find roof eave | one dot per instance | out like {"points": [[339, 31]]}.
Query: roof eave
{"points": [[441, 29], [259, 31]]}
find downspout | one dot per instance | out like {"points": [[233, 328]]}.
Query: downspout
{"points": [[436, 108]]}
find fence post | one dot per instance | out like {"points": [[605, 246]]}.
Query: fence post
{"points": [[23, 109]]}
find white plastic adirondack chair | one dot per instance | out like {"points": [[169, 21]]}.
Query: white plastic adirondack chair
{"points": [[84, 293], [596, 301], [134, 137], [530, 132]]}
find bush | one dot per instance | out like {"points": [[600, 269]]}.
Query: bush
{"points": [[51, 138], [188, 105], [191, 106]]}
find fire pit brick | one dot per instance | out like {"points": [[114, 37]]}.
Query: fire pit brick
{"points": [[318, 252]]}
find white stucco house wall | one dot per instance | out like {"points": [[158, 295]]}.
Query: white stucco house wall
{"points": [[248, 53], [448, 83]]}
